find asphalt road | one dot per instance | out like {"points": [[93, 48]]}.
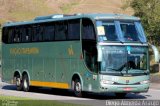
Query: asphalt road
{"points": [[67, 96]]}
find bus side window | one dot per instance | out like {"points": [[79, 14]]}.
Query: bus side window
{"points": [[37, 35], [48, 33], [74, 30], [28, 34], [10, 35], [17, 35], [23, 34], [60, 31], [33, 31], [5, 35], [88, 30]]}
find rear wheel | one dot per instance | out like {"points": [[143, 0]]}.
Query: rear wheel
{"points": [[18, 82], [25, 82], [77, 88]]}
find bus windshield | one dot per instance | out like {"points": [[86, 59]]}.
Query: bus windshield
{"points": [[116, 60], [120, 31]]}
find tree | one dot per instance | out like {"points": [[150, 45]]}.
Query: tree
{"points": [[149, 12]]}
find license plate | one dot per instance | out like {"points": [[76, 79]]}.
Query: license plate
{"points": [[127, 89]]}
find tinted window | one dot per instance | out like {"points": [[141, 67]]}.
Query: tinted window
{"points": [[129, 32], [52, 31], [37, 33], [48, 33], [60, 31], [110, 32], [10, 35], [26, 34], [74, 30], [16, 35], [88, 32], [5, 35]]}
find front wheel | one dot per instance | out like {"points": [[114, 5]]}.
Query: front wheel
{"points": [[77, 88], [25, 82]]}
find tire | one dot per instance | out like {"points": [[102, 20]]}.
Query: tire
{"points": [[121, 95], [77, 88], [25, 83], [18, 83]]}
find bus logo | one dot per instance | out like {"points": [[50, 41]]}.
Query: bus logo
{"points": [[127, 81], [70, 51]]}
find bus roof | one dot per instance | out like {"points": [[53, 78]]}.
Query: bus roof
{"points": [[56, 17]]}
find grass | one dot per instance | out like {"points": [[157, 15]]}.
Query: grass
{"points": [[2, 97], [20, 101]]}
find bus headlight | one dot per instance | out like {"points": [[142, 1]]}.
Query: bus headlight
{"points": [[145, 82], [106, 82]]}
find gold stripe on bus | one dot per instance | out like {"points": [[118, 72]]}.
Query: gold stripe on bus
{"points": [[49, 84]]}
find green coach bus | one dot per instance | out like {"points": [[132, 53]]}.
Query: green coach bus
{"points": [[81, 52]]}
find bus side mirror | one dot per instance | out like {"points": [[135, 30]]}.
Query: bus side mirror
{"points": [[156, 53]]}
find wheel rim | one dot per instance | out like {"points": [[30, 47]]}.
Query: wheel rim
{"points": [[18, 82], [25, 84], [78, 87]]}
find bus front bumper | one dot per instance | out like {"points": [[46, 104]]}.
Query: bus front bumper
{"points": [[124, 88]]}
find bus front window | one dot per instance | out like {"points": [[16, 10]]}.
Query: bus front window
{"points": [[110, 32], [121, 31], [113, 59], [129, 32], [117, 61]]}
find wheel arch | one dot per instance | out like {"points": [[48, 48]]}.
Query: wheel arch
{"points": [[77, 75], [17, 72]]}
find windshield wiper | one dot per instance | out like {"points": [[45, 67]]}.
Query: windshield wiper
{"points": [[112, 69], [124, 68], [121, 41]]}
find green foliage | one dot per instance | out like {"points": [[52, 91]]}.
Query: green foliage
{"points": [[3, 97], [149, 12], [0, 35], [21, 101]]}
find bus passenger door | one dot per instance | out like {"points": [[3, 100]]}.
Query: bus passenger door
{"points": [[89, 49]]}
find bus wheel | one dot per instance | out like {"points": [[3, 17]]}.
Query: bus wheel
{"points": [[77, 88], [25, 82], [121, 95], [18, 83]]}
